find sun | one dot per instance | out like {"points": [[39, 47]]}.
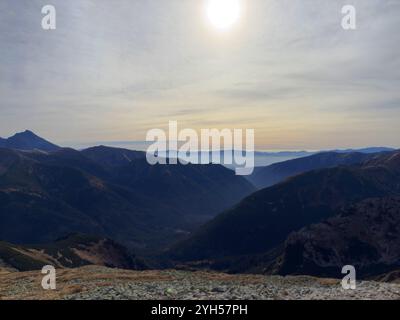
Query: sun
{"points": [[223, 14]]}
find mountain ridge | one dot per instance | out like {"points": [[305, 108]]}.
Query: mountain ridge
{"points": [[27, 140], [365, 235], [265, 219], [264, 177], [98, 191], [72, 251]]}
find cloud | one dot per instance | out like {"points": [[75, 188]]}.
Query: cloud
{"points": [[112, 70]]}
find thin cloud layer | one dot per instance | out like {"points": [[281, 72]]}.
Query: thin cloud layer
{"points": [[113, 70]]}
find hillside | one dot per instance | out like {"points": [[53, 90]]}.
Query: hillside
{"points": [[27, 140], [264, 177], [112, 157], [70, 252], [108, 192], [365, 235], [265, 219]]}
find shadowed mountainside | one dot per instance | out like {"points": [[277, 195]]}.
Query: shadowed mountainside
{"points": [[70, 252], [27, 140], [108, 192], [365, 235], [313, 220], [264, 177], [265, 219]]}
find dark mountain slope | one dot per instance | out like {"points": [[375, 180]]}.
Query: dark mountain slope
{"points": [[46, 201], [194, 190], [267, 176], [70, 252], [366, 235], [45, 195], [27, 140], [7, 158], [265, 219], [197, 191], [69, 158], [112, 157]]}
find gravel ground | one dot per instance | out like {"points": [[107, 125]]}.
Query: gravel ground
{"points": [[99, 283]]}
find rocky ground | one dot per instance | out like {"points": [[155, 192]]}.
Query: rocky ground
{"points": [[91, 283]]}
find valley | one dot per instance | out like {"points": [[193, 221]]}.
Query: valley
{"points": [[107, 209], [108, 192], [226, 150]]}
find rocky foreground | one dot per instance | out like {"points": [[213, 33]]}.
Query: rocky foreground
{"points": [[94, 283]]}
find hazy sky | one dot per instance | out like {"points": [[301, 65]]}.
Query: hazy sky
{"points": [[114, 69]]}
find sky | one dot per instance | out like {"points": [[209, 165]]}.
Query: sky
{"points": [[112, 70]]}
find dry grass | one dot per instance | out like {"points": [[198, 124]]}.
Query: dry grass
{"points": [[27, 285], [328, 282]]}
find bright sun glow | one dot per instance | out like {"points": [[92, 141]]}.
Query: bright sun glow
{"points": [[223, 14]]}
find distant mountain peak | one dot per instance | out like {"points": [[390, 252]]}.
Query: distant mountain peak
{"points": [[27, 140], [26, 133]]}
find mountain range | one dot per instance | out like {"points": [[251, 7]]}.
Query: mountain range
{"points": [[261, 224], [366, 235], [72, 251], [27, 140], [108, 192], [263, 177], [310, 215]]}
